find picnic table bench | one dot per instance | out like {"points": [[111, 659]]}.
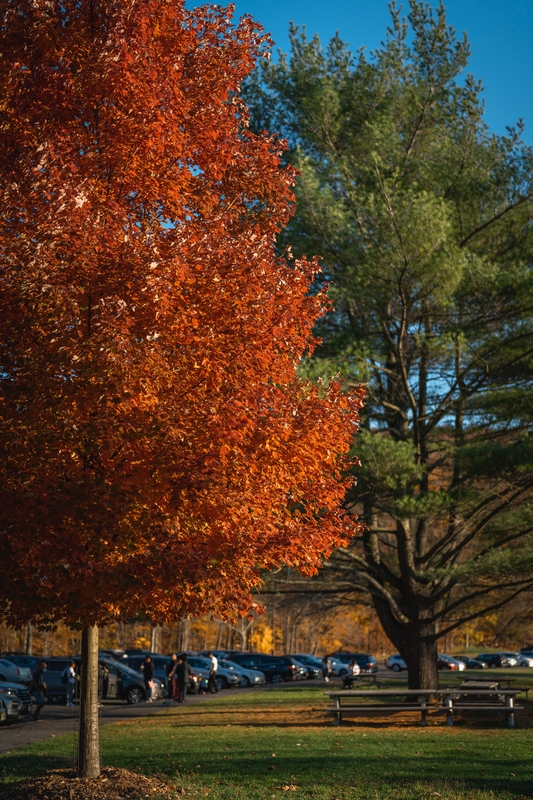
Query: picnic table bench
{"points": [[462, 698]]}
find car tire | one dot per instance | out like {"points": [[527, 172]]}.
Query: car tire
{"points": [[396, 668], [277, 678], [244, 682], [135, 695], [221, 682], [493, 666]]}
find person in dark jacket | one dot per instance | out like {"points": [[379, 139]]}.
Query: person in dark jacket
{"points": [[182, 675], [169, 673], [38, 688], [148, 674]]}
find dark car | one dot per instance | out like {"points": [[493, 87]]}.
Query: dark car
{"points": [[494, 660], [160, 665], [312, 666], [472, 663], [23, 660], [445, 663], [367, 663], [116, 681], [274, 668]]}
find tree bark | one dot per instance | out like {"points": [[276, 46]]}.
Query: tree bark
{"points": [[29, 639], [418, 649], [89, 744], [416, 642]]}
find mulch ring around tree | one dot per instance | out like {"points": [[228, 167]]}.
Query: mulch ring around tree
{"points": [[112, 784]]}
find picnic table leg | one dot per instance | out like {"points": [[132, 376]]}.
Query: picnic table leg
{"points": [[509, 702], [424, 710], [337, 707], [449, 709]]}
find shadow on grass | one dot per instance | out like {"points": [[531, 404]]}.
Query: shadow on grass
{"points": [[327, 770], [17, 766]]}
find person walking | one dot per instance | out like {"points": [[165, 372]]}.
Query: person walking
{"points": [[182, 675], [68, 676], [39, 689], [148, 674], [169, 674], [213, 685]]}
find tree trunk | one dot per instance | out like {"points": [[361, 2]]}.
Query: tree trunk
{"points": [[29, 639], [155, 639], [418, 648], [416, 642], [89, 745]]}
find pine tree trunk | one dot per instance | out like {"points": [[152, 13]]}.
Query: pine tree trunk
{"points": [[418, 648], [89, 744]]}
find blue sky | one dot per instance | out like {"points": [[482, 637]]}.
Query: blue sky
{"points": [[500, 33]]}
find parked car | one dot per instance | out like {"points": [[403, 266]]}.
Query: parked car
{"points": [[367, 663], [202, 666], [527, 651], [16, 699], [247, 677], [274, 668], [459, 665], [116, 681], [396, 663], [447, 663], [471, 663], [521, 659], [311, 670], [23, 660], [317, 664], [3, 712], [160, 665], [495, 660], [10, 672]]}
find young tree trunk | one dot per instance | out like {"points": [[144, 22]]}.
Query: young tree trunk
{"points": [[89, 745], [29, 639]]}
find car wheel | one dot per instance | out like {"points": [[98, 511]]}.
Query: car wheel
{"points": [[396, 668], [493, 666], [244, 681], [135, 695], [277, 678], [342, 672], [221, 682]]}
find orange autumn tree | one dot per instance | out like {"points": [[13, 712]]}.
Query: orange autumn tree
{"points": [[157, 448]]}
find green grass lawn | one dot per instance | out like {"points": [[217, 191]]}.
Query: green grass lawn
{"points": [[279, 743]]}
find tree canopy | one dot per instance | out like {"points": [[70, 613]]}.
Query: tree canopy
{"points": [[157, 446], [423, 220]]}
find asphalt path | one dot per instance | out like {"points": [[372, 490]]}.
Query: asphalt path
{"points": [[56, 720]]}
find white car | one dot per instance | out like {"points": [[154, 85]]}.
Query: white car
{"points": [[247, 677], [396, 663], [521, 659], [10, 672]]}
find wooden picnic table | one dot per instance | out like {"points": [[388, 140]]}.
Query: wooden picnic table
{"points": [[420, 695], [472, 698], [461, 698]]}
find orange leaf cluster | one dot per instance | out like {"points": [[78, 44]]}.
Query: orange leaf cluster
{"points": [[157, 449]]}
